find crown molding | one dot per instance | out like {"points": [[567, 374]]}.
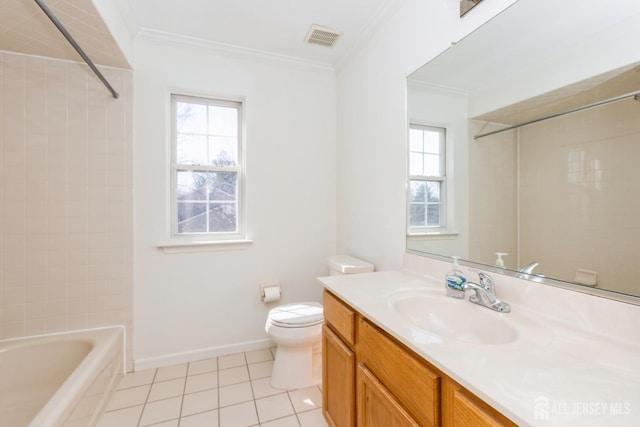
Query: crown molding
{"points": [[229, 50]]}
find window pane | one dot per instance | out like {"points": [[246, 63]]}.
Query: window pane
{"points": [[416, 164], [223, 151], [416, 215], [191, 149], [191, 185], [431, 165], [222, 217], [191, 118], [222, 186], [433, 215], [432, 142], [192, 217], [417, 191], [415, 140], [433, 191], [223, 121]]}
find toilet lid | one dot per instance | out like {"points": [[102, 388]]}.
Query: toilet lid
{"points": [[297, 314]]}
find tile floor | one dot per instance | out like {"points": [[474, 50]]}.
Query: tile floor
{"points": [[227, 391]]}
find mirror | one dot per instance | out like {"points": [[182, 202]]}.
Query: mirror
{"points": [[558, 195]]}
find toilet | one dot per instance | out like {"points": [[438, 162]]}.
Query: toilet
{"points": [[297, 331]]}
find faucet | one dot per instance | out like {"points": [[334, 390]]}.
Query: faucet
{"points": [[485, 293], [525, 271]]}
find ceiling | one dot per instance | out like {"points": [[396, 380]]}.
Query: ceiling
{"points": [[275, 27]]}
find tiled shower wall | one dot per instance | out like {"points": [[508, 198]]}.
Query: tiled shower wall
{"points": [[65, 197], [576, 203], [579, 204]]}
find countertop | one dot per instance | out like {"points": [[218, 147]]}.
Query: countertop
{"points": [[554, 374]]}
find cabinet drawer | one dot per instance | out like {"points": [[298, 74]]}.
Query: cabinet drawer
{"points": [[340, 316], [414, 384]]}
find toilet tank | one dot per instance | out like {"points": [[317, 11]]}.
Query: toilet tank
{"points": [[345, 264]]}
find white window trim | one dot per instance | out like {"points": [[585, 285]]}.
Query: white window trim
{"points": [[199, 242]]}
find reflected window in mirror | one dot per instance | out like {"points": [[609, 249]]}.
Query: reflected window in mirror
{"points": [[427, 179]]}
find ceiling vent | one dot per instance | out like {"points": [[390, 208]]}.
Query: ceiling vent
{"points": [[322, 36]]}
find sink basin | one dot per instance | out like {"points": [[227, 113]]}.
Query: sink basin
{"points": [[453, 318]]}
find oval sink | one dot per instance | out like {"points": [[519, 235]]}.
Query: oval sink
{"points": [[453, 318]]}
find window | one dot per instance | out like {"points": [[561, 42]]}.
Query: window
{"points": [[207, 168], [427, 178]]}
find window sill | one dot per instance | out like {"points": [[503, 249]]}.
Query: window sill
{"points": [[427, 235], [185, 246]]}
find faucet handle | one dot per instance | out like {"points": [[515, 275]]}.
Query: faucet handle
{"points": [[484, 279]]}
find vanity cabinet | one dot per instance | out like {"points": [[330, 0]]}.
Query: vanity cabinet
{"points": [[372, 380], [338, 363]]}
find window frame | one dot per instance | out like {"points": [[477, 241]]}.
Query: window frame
{"points": [[441, 179], [239, 169]]}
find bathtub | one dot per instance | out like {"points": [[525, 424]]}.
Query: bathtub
{"points": [[59, 380]]}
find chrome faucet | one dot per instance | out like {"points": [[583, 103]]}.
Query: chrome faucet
{"points": [[485, 293], [527, 270]]}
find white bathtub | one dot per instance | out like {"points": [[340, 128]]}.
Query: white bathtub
{"points": [[59, 380]]}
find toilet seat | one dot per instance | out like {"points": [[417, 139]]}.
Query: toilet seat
{"points": [[297, 315]]}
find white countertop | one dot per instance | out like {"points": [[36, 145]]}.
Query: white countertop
{"points": [[556, 373]]}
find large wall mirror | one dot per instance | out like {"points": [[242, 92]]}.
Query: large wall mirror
{"points": [[560, 195]]}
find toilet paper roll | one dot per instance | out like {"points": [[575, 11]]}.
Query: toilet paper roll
{"points": [[271, 294]]}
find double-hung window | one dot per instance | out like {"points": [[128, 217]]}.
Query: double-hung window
{"points": [[207, 168], [427, 179]]}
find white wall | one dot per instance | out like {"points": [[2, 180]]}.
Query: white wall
{"points": [[191, 304], [372, 123]]}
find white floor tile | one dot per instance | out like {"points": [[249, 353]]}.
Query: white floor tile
{"points": [[171, 423], [201, 382], [128, 397], [231, 361], [204, 419], [262, 388], [127, 417], [270, 408], [260, 370], [306, 399], [166, 389], [242, 415], [233, 376], [230, 391], [135, 379], [161, 410], [202, 366], [236, 393], [312, 419], [291, 421], [201, 401], [171, 372], [258, 356]]}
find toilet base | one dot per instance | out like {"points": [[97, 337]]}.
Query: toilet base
{"points": [[297, 367]]}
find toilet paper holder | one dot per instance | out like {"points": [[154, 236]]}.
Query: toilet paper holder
{"points": [[270, 291]]}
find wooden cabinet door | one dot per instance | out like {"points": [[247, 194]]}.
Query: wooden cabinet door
{"points": [[376, 405], [338, 381], [408, 378], [463, 409]]}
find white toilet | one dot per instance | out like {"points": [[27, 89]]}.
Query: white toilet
{"points": [[297, 331]]}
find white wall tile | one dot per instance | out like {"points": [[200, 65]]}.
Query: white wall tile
{"points": [[55, 219]]}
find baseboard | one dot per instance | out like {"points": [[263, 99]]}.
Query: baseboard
{"points": [[200, 354]]}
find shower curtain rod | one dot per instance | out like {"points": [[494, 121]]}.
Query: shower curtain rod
{"points": [[75, 45], [635, 95]]}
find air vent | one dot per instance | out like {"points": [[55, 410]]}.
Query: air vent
{"points": [[322, 36]]}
